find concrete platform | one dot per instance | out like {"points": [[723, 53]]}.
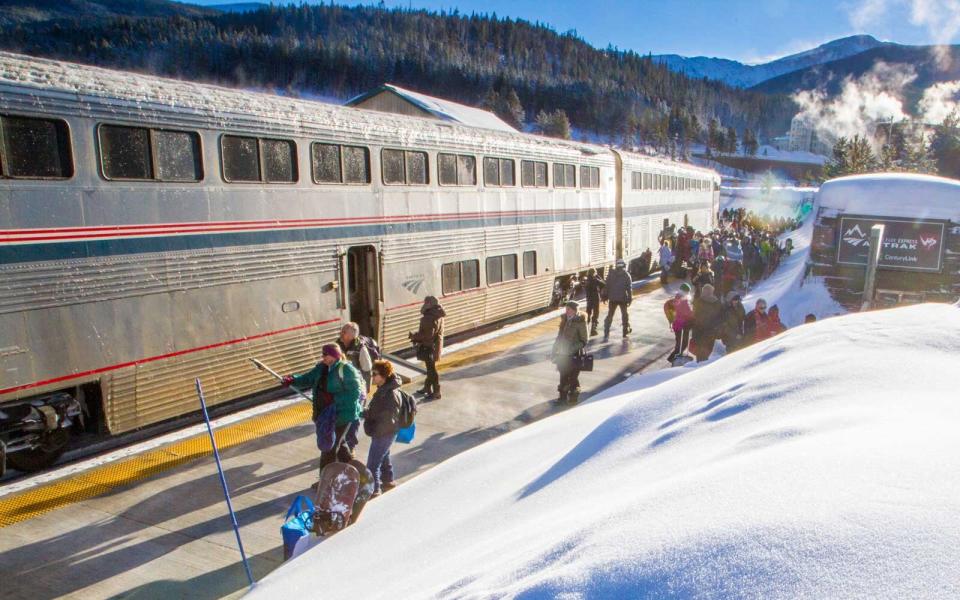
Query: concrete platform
{"points": [[167, 533]]}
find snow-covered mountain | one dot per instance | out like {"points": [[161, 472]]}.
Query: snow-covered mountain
{"points": [[742, 75]]}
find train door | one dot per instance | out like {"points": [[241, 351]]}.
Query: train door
{"points": [[363, 289]]}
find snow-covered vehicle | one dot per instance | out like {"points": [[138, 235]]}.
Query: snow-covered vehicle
{"points": [[153, 231]]}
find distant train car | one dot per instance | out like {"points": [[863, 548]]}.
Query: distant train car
{"points": [[153, 231]]}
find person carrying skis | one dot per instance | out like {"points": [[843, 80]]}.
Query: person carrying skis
{"points": [[334, 380], [382, 422], [680, 316], [592, 287], [619, 295], [571, 339], [429, 338]]}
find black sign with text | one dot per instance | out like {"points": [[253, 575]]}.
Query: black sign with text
{"points": [[907, 245]]}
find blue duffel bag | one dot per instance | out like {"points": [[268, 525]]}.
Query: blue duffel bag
{"points": [[405, 435], [297, 523]]}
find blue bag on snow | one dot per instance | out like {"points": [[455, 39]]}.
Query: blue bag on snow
{"points": [[297, 523], [405, 435]]}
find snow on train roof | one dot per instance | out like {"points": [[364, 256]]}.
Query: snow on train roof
{"points": [[148, 93], [442, 109], [892, 195]]}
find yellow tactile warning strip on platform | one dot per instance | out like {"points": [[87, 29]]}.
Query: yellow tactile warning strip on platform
{"points": [[89, 484]]}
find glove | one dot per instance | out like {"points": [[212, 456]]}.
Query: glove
{"points": [[287, 381]]}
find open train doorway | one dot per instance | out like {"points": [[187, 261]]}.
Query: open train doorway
{"points": [[363, 280]]}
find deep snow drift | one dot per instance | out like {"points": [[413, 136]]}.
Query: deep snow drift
{"points": [[821, 463]]}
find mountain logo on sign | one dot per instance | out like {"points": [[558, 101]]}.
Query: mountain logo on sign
{"points": [[855, 236], [413, 283], [928, 242]]}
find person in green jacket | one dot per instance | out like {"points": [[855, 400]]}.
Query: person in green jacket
{"points": [[571, 339], [334, 380]]}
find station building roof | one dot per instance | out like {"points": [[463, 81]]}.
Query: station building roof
{"points": [[903, 195]]}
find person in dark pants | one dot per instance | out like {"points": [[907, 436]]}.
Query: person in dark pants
{"points": [[333, 380], [619, 295], [707, 315], [429, 338], [381, 422], [571, 339], [680, 317], [592, 287]]}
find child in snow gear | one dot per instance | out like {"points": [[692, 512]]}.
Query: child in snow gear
{"points": [[680, 317], [382, 421], [620, 295], [571, 339], [592, 286], [429, 338]]}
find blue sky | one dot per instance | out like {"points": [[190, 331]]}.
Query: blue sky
{"points": [[745, 30]]}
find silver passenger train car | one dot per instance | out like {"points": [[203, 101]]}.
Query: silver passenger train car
{"points": [[153, 231]]}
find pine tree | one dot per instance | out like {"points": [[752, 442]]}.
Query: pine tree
{"points": [[554, 124], [839, 164], [860, 156], [714, 136], [945, 146], [731, 140], [750, 143]]}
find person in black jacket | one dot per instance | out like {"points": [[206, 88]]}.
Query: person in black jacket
{"points": [[381, 423], [707, 315], [592, 287]]}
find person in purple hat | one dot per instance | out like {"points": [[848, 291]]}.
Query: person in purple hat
{"points": [[334, 380]]}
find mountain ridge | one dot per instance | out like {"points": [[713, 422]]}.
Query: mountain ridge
{"points": [[742, 75]]}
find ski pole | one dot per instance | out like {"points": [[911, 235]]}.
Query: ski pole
{"points": [[279, 377], [223, 482]]}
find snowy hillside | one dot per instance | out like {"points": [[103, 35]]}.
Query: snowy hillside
{"points": [[821, 463], [743, 75]]}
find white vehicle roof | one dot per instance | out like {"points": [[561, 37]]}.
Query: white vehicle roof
{"points": [[892, 195]]}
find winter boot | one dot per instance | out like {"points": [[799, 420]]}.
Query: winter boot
{"points": [[563, 395], [573, 397], [593, 331]]}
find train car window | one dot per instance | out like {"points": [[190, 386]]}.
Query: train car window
{"points": [[589, 177], [177, 155], [529, 263], [391, 161], [494, 270], [564, 176], [457, 169], [470, 271], [507, 172], [466, 169], [279, 161], [509, 267], [35, 148], [491, 172], [125, 152], [241, 158], [447, 169], [417, 168], [326, 163], [356, 164], [533, 173], [541, 174], [450, 278]]}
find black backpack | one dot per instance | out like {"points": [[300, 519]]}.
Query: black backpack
{"points": [[408, 410]]}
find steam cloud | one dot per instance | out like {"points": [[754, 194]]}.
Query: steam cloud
{"points": [[940, 101], [862, 103]]}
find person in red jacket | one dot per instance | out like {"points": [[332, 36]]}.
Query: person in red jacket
{"points": [[774, 325], [756, 325], [680, 316]]}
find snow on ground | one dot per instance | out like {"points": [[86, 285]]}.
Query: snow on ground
{"points": [[821, 463], [800, 156]]}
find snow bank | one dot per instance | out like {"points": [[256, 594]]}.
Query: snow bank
{"points": [[821, 463], [892, 195], [777, 201]]}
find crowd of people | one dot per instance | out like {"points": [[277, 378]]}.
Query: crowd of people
{"points": [[342, 380], [716, 268]]}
